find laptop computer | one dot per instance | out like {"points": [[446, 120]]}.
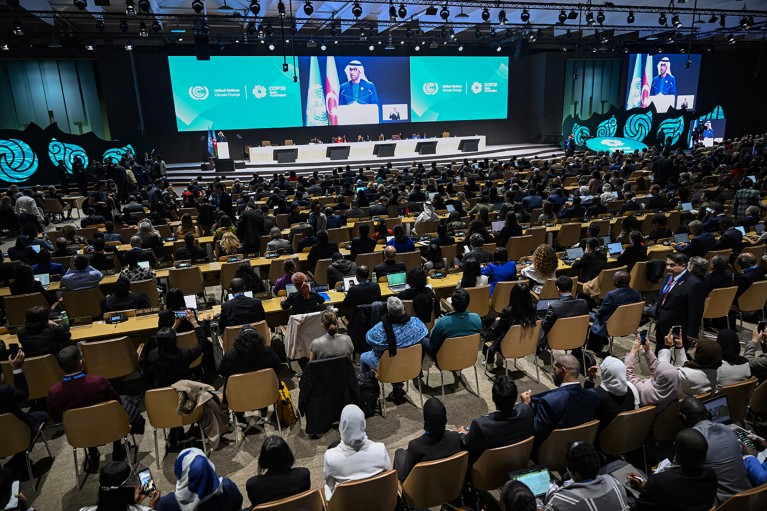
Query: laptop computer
{"points": [[144, 264], [759, 228], [349, 282], [432, 195], [615, 248], [290, 288], [537, 479], [718, 409], [396, 281], [44, 279], [190, 301], [606, 240], [741, 229], [687, 206], [450, 208], [36, 248], [229, 295], [682, 237], [571, 254], [497, 226]]}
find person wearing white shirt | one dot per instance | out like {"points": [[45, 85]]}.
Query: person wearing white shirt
{"points": [[27, 211]]}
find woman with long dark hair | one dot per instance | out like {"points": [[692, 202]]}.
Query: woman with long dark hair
{"points": [[253, 282], [167, 362], [117, 492], [472, 275], [521, 311], [425, 302], [276, 479]]}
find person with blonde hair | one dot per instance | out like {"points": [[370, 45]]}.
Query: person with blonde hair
{"points": [[544, 267], [332, 344], [303, 300], [230, 245]]}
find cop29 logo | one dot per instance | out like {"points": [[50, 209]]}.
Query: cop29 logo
{"points": [[430, 88], [198, 92], [259, 91]]}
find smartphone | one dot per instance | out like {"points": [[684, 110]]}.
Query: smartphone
{"points": [[676, 331], [643, 337], [180, 314], [13, 350], [760, 327], [146, 481]]}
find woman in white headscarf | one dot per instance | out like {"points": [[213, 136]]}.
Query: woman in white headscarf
{"points": [[616, 393], [427, 214], [356, 456]]}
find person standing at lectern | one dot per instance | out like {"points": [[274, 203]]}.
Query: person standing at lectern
{"points": [[357, 90], [221, 137]]}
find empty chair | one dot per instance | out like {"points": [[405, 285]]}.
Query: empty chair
{"points": [[456, 354], [310, 500], [718, 303], [433, 483], [624, 321], [17, 438], [161, 411], [411, 259], [404, 366], [188, 280], [738, 396], [569, 234], [228, 271], [54, 207], [639, 279], [752, 300], [320, 273], [667, 423], [626, 433], [538, 237], [115, 358], [252, 391], [551, 453], [491, 470], [83, 304], [370, 259], [519, 247], [188, 340], [377, 493]]}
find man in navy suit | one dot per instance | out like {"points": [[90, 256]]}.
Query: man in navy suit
{"points": [[731, 237], [621, 295], [567, 405], [681, 300], [364, 292], [567, 306], [700, 244]]}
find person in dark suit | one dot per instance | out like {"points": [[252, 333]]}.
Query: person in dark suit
{"points": [[435, 443], [124, 299], [364, 292], [191, 250], [621, 295], [594, 260], [565, 406], [92, 218], [323, 249], [719, 276], [630, 204], [509, 424], [567, 306], [750, 273], [574, 211], [680, 301], [700, 243], [143, 254], [239, 309], [389, 265], [634, 253], [731, 237], [279, 479], [363, 244], [222, 200], [654, 200], [685, 486]]}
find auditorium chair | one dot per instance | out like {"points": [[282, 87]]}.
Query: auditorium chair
{"points": [[491, 470], [402, 367], [457, 354], [249, 392], [377, 493], [518, 342], [434, 483]]}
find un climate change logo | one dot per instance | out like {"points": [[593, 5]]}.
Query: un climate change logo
{"points": [[198, 92], [430, 88]]}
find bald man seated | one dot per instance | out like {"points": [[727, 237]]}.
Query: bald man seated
{"points": [[389, 265]]}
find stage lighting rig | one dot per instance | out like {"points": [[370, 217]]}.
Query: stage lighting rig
{"points": [[485, 14], [198, 6], [356, 9], [308, 8], [525, 16], [81, 4], [402, 11], [255, 7]]}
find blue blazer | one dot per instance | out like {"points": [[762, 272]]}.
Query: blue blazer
{"points": [[613, 300], [699, 245], [562, 407]]}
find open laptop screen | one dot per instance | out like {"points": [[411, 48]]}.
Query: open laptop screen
{"points": [[396, 279], [718, 409], [574, 253]]}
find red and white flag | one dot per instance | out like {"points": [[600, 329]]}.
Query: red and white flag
{"points": [[332, 86]]}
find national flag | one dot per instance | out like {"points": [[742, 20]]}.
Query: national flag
{"points": [[635, 90], [647, 82], [212, 143], [332, 87], [316, 112]]}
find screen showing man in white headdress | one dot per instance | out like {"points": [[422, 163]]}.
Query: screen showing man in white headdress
{"points": [[357, 90], [664, 83]]}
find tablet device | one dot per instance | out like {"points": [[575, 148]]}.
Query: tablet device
{"points": [[190, 301], [687, 206], [682, 237], [144, 264], [741, 229], [497, 226], [615, 248], [537, 479]]}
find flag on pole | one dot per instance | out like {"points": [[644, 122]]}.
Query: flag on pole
{"points": [[316, 111], [212, 143], [332, 86], [646, 82], [635, 90]]}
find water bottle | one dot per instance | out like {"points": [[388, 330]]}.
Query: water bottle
{"points": [[65, 320]]}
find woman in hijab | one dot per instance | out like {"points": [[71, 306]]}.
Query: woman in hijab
{"points": [[697, 375], [198, 487], [734, 367], [662, 387], [117, 493], [616, 394], [356, 456], [434, 444]]}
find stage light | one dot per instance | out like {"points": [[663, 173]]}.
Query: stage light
{"points": [[156, 27], [746, 22], [562, 47], [713, 19], [625, 49], [688, 64], [81, 4], [308, 8], [662, 19], [123, 26], [573, 15], [255, 7], [142, 31], [485, 14], [594, 49], [444, 13], [281, 8], [417, 47], [731, 38], [100, 25], [205, 28], [143, 5], [129, 46], [525, 16], [333, 31], [568, 34], [600, 17], [89, 46], [498, 48], [251, 29], [271, 46], [562, 16], [392, 12], [371, 47], [357, 9], [676, 21], [478, 33], [532, 38], [590, 18], [630, 18], [502, 17], [198, 6], [129, 9], [460, 47], [402, 11], [323, 47]]}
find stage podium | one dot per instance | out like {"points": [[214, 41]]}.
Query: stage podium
{"points": [[224, 163], [223, 150]]}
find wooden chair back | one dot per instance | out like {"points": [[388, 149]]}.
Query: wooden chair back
{"points": [[228, 270], [377, 493], [569, 234], [639, 279], [433, 483], [275, 268], [754, 499], [310, 500], [758, 402], [520, 341], [551, 453], [605, 280], [161, 405], [625, 320], [738, 395], [718, 302], [149, 288], [757, 251], [491, 470], [188, 340], [114, 358], [16, 435], [96, 425], [549, 290], [457, 353], [479, 300], [568, 333], [188, 280], [667, 423], [411, 259], [539, 237], [321, 271], [519, 247], [499, 300], [252, 391], [16, 306], [712, 253], [627, 431], [84, 303], [406, 364], [753, 299], [230, 332], [449, 252]]}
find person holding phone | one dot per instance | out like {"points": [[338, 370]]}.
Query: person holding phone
{"points": [[698, 374], [118, 490], [758, 363]]}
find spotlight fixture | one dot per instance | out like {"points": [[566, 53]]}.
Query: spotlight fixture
{"points": [[498, 48], [323, 47], [625, 49], [142, 31], [123, 26], [143, 6], [129, 46], [100, 25], [662, 19], [251, 29], [81, 4], [600, 17], [156, 27], [492, 32], [371, 47], [357, 9], [485, 14], [525, 17], [590, 18], [281, 8], [271, 46], [478, 33], [630, 18], [460, 47], [285, 67], [198, 6], [130, 10], [594, 49], [562, 16], [532, 38], [502, 17], [89, 46], [746, 22], [444, 13], [730, 38], [417, 47], [572, 15], [392, 12], [676, 21], [402, 11], [308, 8], [255, 7]]}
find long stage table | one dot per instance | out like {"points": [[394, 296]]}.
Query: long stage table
{"points": [[406, 147]]}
